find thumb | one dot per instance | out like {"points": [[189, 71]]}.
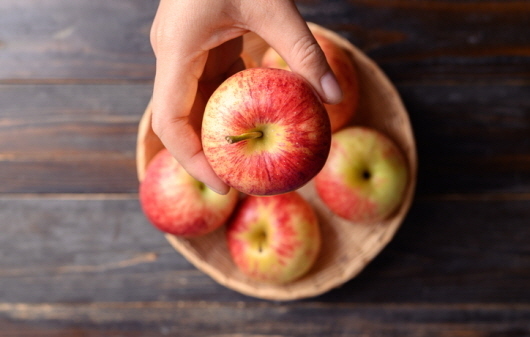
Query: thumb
{"points": [[284, 29]]}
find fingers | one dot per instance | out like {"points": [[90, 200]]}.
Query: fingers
{"points": [[175, 96], [179, 129], [283, 28], [183, 36]]}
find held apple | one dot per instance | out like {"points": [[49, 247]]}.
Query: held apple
{"points": [[274, 239], [365, 176], [176, 203], [344, 68], [265, 131]]}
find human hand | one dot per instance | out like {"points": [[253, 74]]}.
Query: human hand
{"points": [[197, 44]]}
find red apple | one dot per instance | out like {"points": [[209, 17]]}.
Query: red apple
{"points": [[265, 131], [274, 239], [365, 177], [344, 68], [178, 204]]}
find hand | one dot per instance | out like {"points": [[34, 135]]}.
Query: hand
{"points": [[197, 44]]}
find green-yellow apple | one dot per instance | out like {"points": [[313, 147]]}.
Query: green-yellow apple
{"points": [[177, 203], [344, 69], [274, 239], [365, 176], [265, 131]]}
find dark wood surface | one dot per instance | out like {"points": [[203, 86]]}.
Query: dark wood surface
{"points": [[78, 258]]}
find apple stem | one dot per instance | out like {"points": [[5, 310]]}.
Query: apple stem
{"points": [[244, 136]]}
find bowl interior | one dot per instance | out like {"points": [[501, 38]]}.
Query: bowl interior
{"points": [[347, 247]]}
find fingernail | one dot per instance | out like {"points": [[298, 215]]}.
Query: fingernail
{"points": [[331, 88]]}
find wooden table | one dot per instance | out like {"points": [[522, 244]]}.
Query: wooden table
{"points": [[78, 258]]}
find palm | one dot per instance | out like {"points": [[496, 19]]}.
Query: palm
{"points": [[222, 62]]}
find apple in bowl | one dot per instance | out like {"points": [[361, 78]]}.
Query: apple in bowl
{"points": [[178, 204], [365, 176], [345, 71], [274, 239], [265, 131], [346, 248]]}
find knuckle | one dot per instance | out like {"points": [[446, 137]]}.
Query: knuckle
{"points": [[159, 124], [307, 52], [163, 124]]}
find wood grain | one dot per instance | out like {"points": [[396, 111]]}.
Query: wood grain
{"points": [[471, 138], [70, 138], [432, 40], [78, 258], [82, 137], [424, 40], [62, 249], [57, 39], [242, 319]]}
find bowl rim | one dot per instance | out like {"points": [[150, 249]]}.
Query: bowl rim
{"points": [[148, 145]]}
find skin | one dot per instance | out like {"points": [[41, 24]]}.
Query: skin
{"points": [[365, 176], [344, 68], [274, 239], [178, 204], [197, 44], [295, 131]]}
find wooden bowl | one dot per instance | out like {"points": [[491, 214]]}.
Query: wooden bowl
{"points": [[347, 247]]}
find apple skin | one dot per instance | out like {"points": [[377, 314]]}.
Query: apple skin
{"points": [[345, 71], [176, 203], [274, 239], [294, 123], [365, 176]]}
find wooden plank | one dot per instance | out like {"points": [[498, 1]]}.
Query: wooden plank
{"points": [[57, 39], [262, 319], [70, 138], [84, 175], [89, 263], [77, 249], [89, 248], [433, 40], [452, 251], [413, 40], [471, 138]]}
